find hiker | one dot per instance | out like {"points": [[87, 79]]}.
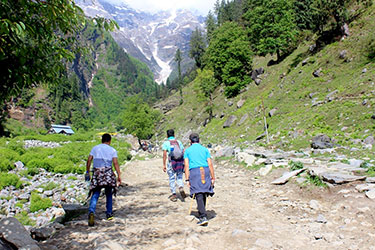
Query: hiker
{"points": [[103, 156], [199, 173], [173, 164]]}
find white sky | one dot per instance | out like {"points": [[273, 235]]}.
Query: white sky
{"points": [[202, 6]]}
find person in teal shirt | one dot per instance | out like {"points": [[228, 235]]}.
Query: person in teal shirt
{"points": [[199, 173], [175, 174]]}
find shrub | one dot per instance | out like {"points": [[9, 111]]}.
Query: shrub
{"points": [[5, 165], [7, 179], [17, 147], [33, 171], [38, 163], [50, 186], [72, 178], [38, 203]]}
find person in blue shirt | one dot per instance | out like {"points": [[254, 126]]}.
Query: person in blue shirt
{"points": [[102, 156], [199, 173], [174, 168]]}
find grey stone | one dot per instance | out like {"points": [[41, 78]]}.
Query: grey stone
{"points": [[355, 163], [19, 165], [13, 232], [230, 103], [225, 152], [345, 29], [321, 142], [317, 73], [240, 103], [338, 178], [230, 121], [364, 70], [48, 193], [369, 140], [74, 210], [314, 204], [42, 233], [286, 176], [370, 179], [243, 119], [364, 187], [342, 54], [329, 95], [321, 219], [257, 81], [371, 194], [265, 170], [304, 62], [272, 112]]}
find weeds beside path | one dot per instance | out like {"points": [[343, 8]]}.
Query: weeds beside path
{"points": [[245, 213]]}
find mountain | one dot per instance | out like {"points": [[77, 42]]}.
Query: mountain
{"points": [[151, 38]]}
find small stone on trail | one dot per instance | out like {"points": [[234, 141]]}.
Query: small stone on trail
{"points": [[315, 205], [263, 243], [321, 219], [371, 194]]}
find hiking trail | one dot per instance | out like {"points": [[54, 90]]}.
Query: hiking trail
{"points": [[245, 213]]}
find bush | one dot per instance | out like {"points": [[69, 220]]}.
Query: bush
{"points": [[5, 165], [38, 203], [33, 171], [38, 163], [9, 180], [50, 186], [17, 147]]}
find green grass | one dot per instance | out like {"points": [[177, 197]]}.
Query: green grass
{"points": [[316, 181], [25, 219], [38, 203]]}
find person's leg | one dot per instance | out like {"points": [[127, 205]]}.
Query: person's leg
{"points": [[172, 182], [201, 198], [180, 181], [94, 200], [108, 194]]}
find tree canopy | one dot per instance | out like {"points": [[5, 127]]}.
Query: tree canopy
{"points": [[230, 57], [37, 38]]}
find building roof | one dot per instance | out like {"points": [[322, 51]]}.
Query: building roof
{"points": [[62, 129]]}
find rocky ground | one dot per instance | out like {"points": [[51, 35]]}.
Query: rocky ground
{"points": [[247, 212]]}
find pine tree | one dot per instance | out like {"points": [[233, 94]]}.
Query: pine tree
{"points": [[197, 47]]}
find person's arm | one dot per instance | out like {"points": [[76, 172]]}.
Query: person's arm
{"points": [[212, 173], [88, 164], [164, 160], [117, 168], [187, 173]]}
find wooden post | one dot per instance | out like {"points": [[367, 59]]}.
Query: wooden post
{"points": [[265, 121]]}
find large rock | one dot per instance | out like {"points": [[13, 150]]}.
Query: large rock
{"points": [[42, 233], [321, 142], [243, 119], [338, 178], [225, 152], [12, 231], [74, 210], [286, 176], [247, 158], [230, 121]]}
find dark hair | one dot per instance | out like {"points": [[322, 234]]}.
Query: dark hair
{"points": [[194, 137], [170, 132], [106, 138]]}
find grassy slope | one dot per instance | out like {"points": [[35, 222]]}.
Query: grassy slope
{"points": [[290, 95]]}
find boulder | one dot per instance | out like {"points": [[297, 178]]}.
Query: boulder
{"points": [[42, 233], [286, 176], [74, 210], [12, 231], [321, 142], [244, 157], [371, 194], [229, 122], [257, 81], [339, 178], [225, 152]]}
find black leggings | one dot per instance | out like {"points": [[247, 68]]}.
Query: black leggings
{"points": [[201, 202]]}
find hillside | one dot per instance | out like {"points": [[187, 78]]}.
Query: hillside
{"points": [[338, 102], [94, 88]]}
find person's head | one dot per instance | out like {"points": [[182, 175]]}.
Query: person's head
{"points": [[106, 138], [170, 133], [194, 138]]}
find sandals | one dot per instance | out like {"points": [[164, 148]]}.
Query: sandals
{"points": [[173, 197]]}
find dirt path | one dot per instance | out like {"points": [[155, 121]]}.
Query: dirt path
{"points": [[245, 213]]}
